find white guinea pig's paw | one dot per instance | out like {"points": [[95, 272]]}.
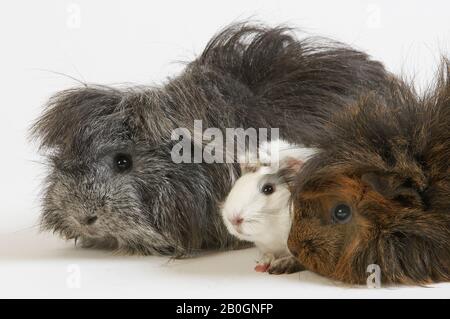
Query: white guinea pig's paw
{"points": [[264, 262], [284, 265]]}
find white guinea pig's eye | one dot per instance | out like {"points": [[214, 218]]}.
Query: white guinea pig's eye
{"points": [[268, 189], [122, 162]]}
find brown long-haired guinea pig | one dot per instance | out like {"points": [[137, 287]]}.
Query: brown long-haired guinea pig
{"points": [[378, 192]]}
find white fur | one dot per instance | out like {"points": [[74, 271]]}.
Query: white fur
{"points": [[284, 149], [266, 218]]}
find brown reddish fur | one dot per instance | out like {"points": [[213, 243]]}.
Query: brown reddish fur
{"points": [[387, 157]]}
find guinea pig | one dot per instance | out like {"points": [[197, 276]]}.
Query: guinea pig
{"points": [[377, 194], [257, 209], [112, 181]]}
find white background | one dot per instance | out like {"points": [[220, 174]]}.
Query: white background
{"points": [[112, 42]]}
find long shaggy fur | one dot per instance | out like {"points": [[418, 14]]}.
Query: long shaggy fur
{"points": [[387, 157], [248, 76]]}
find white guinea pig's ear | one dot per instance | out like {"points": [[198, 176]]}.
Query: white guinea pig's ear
{"points": [[249, 167], [289, 168], [249, 162], [292, 164]]}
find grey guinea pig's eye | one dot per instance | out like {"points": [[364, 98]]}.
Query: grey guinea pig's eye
{"points": [[268, 189], [342, 213], [123, 162]]}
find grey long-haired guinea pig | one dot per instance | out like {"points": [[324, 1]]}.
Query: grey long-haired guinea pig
{"points": [[112, 182], [258, 209]]}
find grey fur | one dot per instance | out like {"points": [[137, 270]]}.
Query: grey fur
{"points": [[248, 76]]}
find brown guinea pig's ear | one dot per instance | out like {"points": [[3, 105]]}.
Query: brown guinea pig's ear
{"points": [[396, 189], [381, 183]]}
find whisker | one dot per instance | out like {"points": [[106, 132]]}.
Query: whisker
{"points": [[32, 227], [62, 74]]}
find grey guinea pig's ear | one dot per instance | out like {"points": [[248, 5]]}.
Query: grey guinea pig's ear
{"points": [[70, 111]]}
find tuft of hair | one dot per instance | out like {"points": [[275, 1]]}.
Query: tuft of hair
{"points": [[290, 80], [74, 114]]}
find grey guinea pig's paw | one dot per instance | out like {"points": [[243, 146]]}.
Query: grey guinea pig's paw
{"points": [[285, 265], [100, 243]]}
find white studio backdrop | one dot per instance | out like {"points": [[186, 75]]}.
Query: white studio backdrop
{"points": [[115, 42], [46, 45]]}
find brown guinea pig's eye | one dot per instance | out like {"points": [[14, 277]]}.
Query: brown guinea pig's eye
{"points": [[268, 189], [341, 213], [122, 162]]}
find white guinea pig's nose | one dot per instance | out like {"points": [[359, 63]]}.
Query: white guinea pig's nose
{"points": [[236, 220]]}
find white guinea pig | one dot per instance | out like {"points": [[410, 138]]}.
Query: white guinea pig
{"points": [[257, 209]]}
